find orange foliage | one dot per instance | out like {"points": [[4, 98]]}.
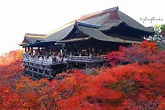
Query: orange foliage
{"points": [[11, 65], [123, 87], [145, 52], [8, 98], [12, 56], [149, 46]]}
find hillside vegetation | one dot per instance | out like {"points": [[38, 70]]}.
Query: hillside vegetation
{"points": [[134, 81]]}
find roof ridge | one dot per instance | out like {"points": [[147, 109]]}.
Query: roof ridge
{"points": [[61, 27], [113, 8], [86, 24], [35, 34], [98, 12]]}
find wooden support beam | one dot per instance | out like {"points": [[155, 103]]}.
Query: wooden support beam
{"points": [[50, 73]]}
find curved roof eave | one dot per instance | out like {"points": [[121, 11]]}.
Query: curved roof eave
{"points": [[98, 35], [60, 33], [132, 23]]}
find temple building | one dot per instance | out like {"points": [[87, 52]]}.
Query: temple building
{"points": [[83, 43]]}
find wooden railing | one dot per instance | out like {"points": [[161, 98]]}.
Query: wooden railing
{"points": [[57, 59], [87, 58], [43, 59]]}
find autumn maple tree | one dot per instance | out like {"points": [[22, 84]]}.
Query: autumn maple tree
{"points": [[135, 81], [10, 65], [143, 53]]}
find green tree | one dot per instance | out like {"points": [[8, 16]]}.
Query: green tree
{"points": [[162, 27], [156, 36], [5, 54]]}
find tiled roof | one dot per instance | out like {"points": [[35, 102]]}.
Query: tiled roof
{"points": [[105, 19], [30, 38]]}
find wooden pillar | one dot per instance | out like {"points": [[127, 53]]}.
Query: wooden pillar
{"points": [[43, 72], [32, 72], [50, 72], [38, 73], [86, 65], [32, 50], [25, 49], [28, 49], [38, 49]]}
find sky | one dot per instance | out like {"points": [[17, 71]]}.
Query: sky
{"points": [[18, 17]]}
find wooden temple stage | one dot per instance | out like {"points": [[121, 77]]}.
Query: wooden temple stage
{"points": [[81, 44], [39, 67]]}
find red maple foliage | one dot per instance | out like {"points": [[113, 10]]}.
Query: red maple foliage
{"points": [[137, 85], [143, 53], [10, 66]]}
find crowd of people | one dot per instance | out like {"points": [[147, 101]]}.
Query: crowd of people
{"points": [[44, 56], [56, 56]]}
